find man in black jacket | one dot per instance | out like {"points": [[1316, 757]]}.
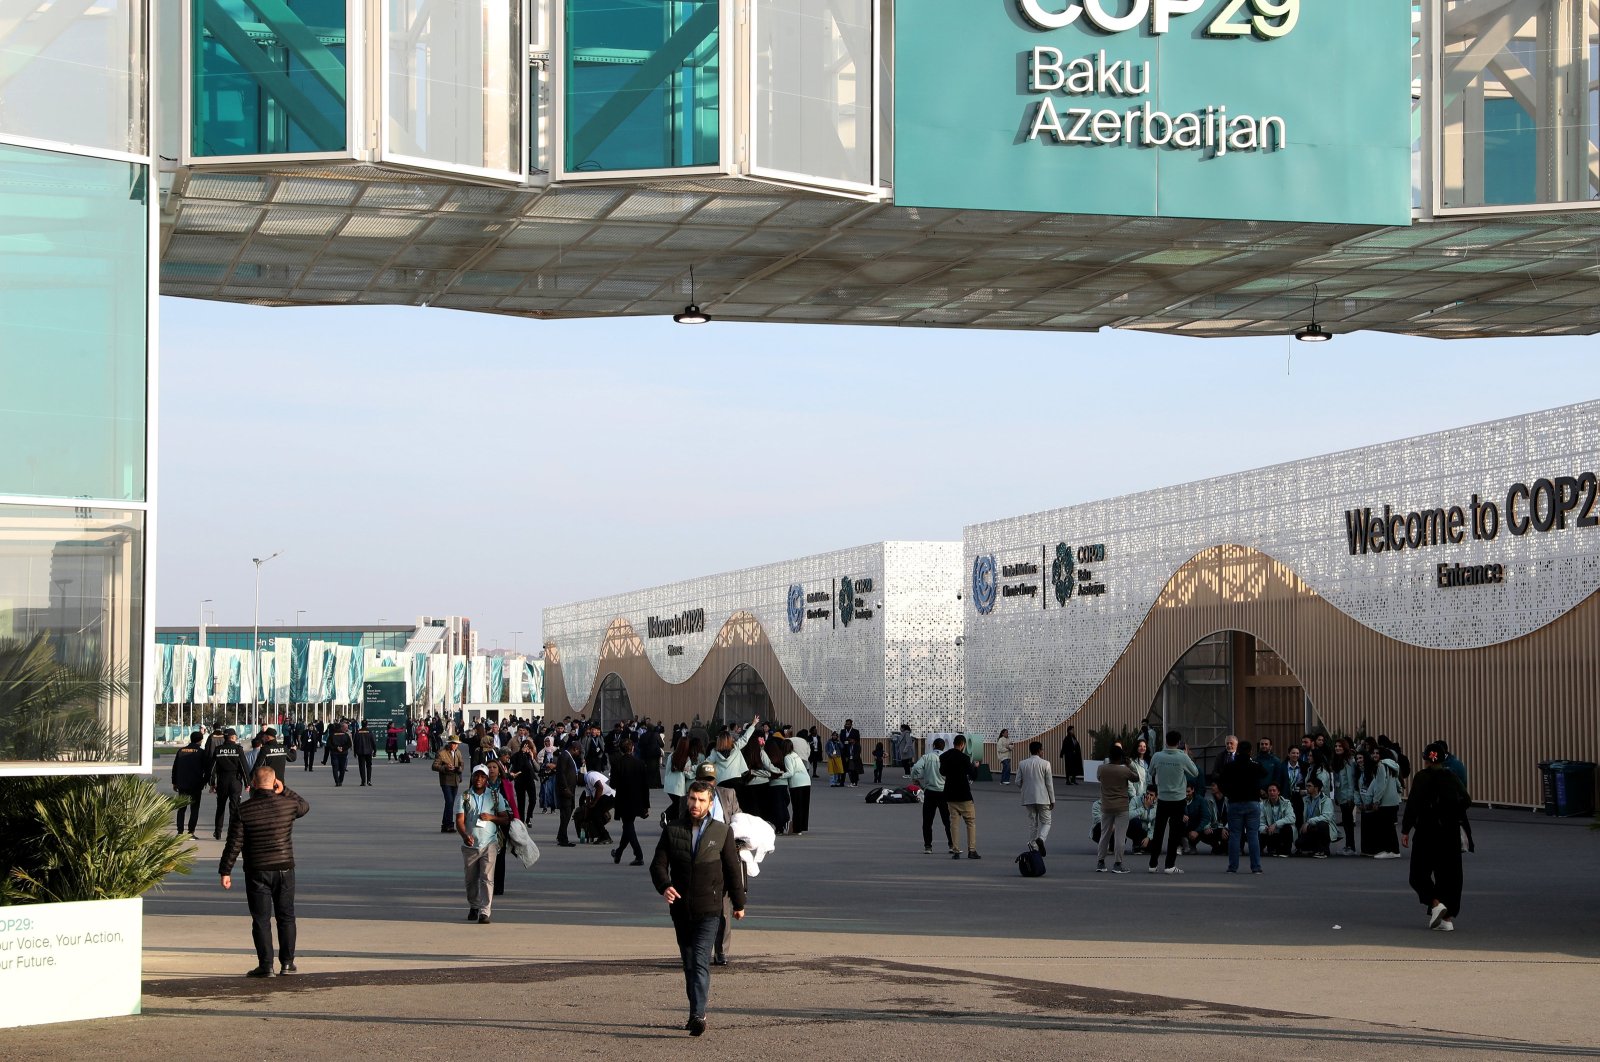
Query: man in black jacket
{"points": [[338, 748], [650, 750], [696, 864], [631, 781], [227, 778], [566, 791], [262, 829], [190, 767], [1240, 782], [594, 751], [271, 754], [366, 747]]}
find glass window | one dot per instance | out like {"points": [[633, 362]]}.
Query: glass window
{"points": [[1520, 108], [642, 88], [269, 77], [455, 82], [812, 112], [71, 634], [73, 72], [73, 307]]}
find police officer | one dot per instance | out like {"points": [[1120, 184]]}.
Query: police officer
{"points": [[366, 747], [338, 747], [189, 771], [227, 778], [271, 754]]}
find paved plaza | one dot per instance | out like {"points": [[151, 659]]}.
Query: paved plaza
{"points": [[857, 942]]}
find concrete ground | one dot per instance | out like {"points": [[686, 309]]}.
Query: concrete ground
{"points": [[855, 935]]}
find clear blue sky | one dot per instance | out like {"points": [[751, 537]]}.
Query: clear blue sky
{"points": [[436, 462]]}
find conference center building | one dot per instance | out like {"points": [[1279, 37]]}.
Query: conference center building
{"points": [[1048, 165], [1442, 586]]}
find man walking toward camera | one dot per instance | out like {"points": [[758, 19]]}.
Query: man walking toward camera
{"points": [[261, 829], [696, 864], [482, 813]]}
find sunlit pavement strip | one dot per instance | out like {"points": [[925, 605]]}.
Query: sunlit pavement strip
{"points": [[1544, 998]]}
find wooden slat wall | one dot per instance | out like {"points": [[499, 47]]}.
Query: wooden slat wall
{"points": [[740, 641], [1502, 708]]}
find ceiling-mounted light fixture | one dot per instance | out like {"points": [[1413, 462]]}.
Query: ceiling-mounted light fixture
{"points": [[1313, 332], [692, 313]]}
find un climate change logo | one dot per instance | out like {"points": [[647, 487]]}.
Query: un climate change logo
{"points": [[984, 583], [847, 600], [797, 608], [1061, 573]]}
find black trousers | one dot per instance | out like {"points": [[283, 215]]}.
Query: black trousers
{"points": [[527, 788], [271, 896], [1347, 819], [1169, 823], [310, 756], [932, 802], [341, 763], [800, 809], [565, 804], [1280, 843], [1436, 868], [193, 796], [227, 802], [364, 768], [1314, 838], [630, 839], [500, 872]]}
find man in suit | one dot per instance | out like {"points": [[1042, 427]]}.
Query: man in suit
{"points": [[630, 778], [696, 864], [566, 792], [850, 738]]}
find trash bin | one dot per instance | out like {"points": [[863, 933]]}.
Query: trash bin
{"points": [[1567, 787]]}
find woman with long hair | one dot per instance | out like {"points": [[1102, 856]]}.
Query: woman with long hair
{"points": [[1002, 749], [798, 777], [1344, 791], [680, 768], [775, 759]]}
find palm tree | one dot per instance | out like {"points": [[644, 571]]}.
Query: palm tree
{"points": [[50, 711], [69, 839]]}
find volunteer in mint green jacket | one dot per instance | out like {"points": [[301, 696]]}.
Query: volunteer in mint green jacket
{"points": [[1277, 824], [1321, 830]]}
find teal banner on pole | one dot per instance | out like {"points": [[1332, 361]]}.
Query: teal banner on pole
{"points": [[1266, 110]]}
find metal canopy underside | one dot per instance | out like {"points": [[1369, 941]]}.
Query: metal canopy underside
{"points": [[362, 235]]}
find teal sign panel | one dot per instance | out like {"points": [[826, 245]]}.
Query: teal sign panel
{"points": [[1266, 110]]}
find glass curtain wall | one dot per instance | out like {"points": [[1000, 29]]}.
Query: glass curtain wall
{"points": [[74, 272], [812, 109], [269, 77], [71, 72], [455, 82], [71, 634], [1519, 106], [611, 704], [1197, 696], [642, 84]]}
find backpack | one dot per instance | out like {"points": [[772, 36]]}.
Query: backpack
{"points": [[1031, 864]]}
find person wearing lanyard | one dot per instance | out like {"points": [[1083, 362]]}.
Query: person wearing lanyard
{"points": [[480, 816]]}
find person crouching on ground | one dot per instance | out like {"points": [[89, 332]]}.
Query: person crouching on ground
{"points": [[480, 816], [696, 865]]}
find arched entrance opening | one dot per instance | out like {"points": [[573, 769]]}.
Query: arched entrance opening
{"points": [[1231, 682], [611, 704], [743, 697]]}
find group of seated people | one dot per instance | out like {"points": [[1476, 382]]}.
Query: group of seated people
{"points": [[1309, 826]]}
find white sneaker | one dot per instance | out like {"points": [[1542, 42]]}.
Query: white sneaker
{"points": [[1447, 926], [1436, 915], [1155, 870], [1173, 870], [1387, 855]]}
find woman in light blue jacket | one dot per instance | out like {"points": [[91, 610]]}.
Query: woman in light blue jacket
{"points": [[1345, 792], [1380, 803], [798, 777]]}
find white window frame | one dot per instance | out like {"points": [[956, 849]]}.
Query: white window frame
{"points": [[355, 96], [726, 106], [871, 189], [382, 64]]}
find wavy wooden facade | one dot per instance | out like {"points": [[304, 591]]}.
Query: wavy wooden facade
{"points": [[741, 640], [1502, 708]]}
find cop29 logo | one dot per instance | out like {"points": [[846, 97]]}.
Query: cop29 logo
{"points": [[847, 600], [984, 583], [797, 608], [1061, 573]]}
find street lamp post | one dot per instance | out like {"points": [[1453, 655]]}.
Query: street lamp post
{"points": [[255, 643], [514, 642], [202, 640]]}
